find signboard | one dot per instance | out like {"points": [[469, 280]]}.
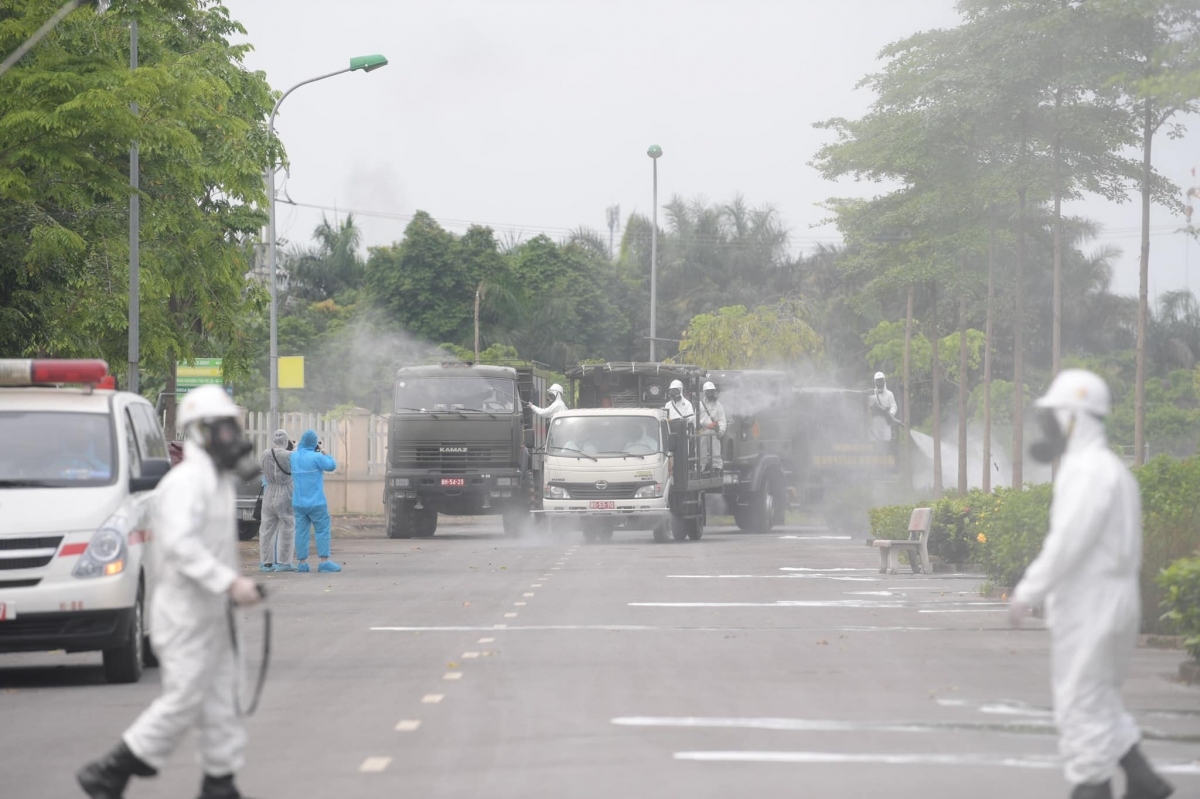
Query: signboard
{"points": [[291, 371], [204, 372]]}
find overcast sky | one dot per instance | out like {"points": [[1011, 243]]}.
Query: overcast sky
{"points": [[535, 115]]}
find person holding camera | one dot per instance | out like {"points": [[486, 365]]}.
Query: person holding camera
{"points": [[308, 501]]}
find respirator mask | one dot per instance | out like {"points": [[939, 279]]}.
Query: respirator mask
{"points": [[228, 447], [1053, 442]]}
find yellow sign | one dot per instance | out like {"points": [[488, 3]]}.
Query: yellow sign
{"points": [[291, 371]]}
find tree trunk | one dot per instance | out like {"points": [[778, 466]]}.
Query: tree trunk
{"points": [[908, 319], [937, 396], [1139, 404], [1056, 345], [962, 375], [170, 404], [477, 293], [987, 359], [1018, 454]]}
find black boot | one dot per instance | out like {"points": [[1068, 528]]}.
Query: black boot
{"points": [[107, 777], [1093, 790], [219, 788], [1142, 781]]}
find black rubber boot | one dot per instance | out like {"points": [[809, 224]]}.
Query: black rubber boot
{"points": [[1093, 790], [219, 788], [107, 777], [1141, 780]]}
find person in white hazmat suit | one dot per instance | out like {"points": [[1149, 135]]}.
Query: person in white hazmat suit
{"points": [[712, 429], [1087, 577], [555, 407], [679, 406], [882, 403], [277, 532], [196, 556]]}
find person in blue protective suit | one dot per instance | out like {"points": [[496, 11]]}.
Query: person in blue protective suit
{"points": [[308, 501]]}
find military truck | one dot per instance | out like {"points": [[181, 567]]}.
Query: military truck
{"points": [[758, 448], [660, 486], [461, 442]]}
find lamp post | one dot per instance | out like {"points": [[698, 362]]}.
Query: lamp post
{"points": [[655, 152], [366, 63]]}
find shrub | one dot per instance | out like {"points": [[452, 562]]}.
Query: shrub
{"points": [[1181, 584], [953, 533], [1014, 530], [1170, 526]]}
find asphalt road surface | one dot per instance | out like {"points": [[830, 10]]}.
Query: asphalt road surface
{"points": [[737, 666]]}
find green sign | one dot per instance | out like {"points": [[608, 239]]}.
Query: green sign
{"points": [[204, 372]]}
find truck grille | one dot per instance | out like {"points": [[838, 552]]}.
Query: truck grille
{"points": [[13, 551], [611, 491], [453, 454]]}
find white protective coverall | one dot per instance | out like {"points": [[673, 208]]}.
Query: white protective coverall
{"points": [[277, 533], [196, 556], [710, 437], [881, 400], [680, 409], [1087, 576], [550, 411]]}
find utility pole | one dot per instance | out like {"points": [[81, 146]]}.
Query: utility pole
{"points": [[655, 152], [134, 234], [614, 219]]}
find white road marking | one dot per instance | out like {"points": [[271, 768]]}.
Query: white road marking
{"points": [[510, 615], [487, 640], [452, 675], [816, 537], [873, 593], [375, 764], [656, 628], [432, 699], [829, 725], [810, 569], [967, 610], [519, 604], [842, 578], [470, 655], [536, 585], [1003, 761], [527, 593], [408, 725], [788, 603]]}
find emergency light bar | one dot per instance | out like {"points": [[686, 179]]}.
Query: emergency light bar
{"points": [[28, 372]]}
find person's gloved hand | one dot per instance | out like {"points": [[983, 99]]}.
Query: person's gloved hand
{"points": [[244, 591], [1017, 612]]}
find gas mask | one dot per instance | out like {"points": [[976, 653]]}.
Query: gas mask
{"points": [[880, 385], [711, 396], [1053, 442], [675, 395], [229, 449]]}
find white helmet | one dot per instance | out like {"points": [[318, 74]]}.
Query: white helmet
{"points": [[206, 402], [676, 384], [1078, 390], [555, 389], [709, 386], [880, 376]]}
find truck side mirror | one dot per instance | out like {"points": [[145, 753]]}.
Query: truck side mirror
{"points": [[153, 470]]}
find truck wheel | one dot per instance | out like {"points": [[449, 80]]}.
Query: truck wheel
{"points": [[426, 523], [589, 533], [695, 528], [123, 664], [759, 513], [398, 521], [247, 531], [662, 532], [679, 527]]}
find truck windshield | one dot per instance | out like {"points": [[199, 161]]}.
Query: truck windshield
{"points": [[462, 394], [44, 449], [604, 436]]}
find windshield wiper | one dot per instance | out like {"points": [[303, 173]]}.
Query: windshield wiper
{"points": [[480, 410], [624, 454], [572, 449], [420, 410]]}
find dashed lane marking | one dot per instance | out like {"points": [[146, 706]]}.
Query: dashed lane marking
{"points": [[814, 569], [816, 537], [1003, 761], [432, 699], [375, 764], [408, 725], [494, 627], [510, 615], [452, 675], [519, 604], [470, 655], [527, 593], [839, 577], [855, 628], [487, 640], [536, 585]]}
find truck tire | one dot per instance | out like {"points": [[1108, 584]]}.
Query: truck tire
{"points": [[247, 531], [123, 664], [758, 514], [680, 527], [426, 522], [397, 521], [695, 529], [662, 531]]}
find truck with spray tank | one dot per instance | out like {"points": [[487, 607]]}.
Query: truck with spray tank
{"points": [[618, 461], [461, 442]]}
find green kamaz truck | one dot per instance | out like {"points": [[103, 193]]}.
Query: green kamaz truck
{"points": [[461, 442]]}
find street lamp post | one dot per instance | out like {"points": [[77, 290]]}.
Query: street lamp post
{"points": [[654, 152], [366, 63]]}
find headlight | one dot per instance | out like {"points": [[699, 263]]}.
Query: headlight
{"points": [[104, 556], [505, 481], [400, 482], [649, 491], [556, 492]]}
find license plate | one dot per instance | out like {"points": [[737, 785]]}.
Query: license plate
{"points": [[453, 481], [602, 504], [247, 514], [8, 611]]}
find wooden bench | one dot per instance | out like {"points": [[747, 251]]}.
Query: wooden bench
{"points": [[916, 545]]}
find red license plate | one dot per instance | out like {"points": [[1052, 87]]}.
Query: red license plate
{"points": [[602, 504], [453, 481]]}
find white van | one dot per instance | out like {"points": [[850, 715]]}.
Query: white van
{"points": [[76, 473]]}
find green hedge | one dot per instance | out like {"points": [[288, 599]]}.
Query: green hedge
{"points": [[1181, 583], [1003, 531]]}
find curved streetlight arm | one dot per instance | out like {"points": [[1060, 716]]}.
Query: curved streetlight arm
{"points": [[282, 97]]}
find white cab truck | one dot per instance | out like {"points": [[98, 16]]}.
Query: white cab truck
{"points": [[76, 482], [621, 467]]}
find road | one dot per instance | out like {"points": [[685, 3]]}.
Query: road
{"points": [[740, 665]]}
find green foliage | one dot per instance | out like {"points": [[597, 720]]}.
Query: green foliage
{"points": [[1014, 531], [737, 338], [1170, 523], [1181, 585], [955, 528]]}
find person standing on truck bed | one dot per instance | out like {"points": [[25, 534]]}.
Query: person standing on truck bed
{"points": [[883, 409], [679, 406], [712, 429], [555, 407]]}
